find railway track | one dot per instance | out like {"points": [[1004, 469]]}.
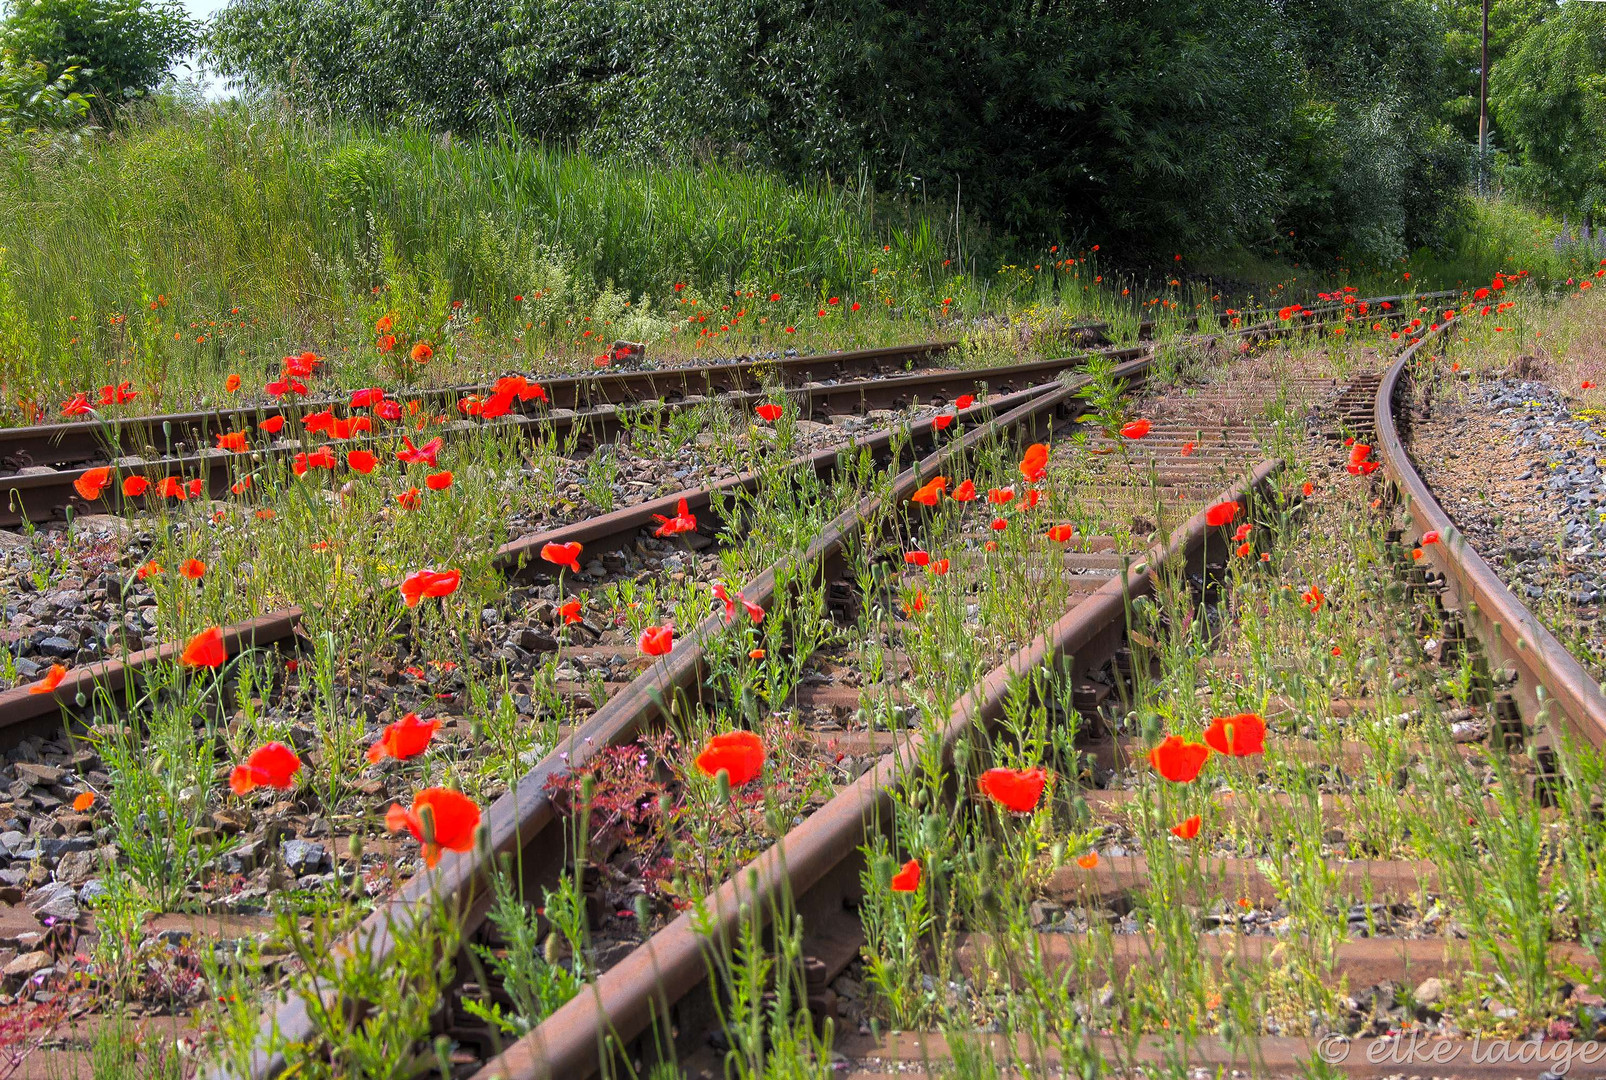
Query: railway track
{"points": [[41, 466], [1102, 573]]}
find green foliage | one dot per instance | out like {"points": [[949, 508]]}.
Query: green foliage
{"points": [[1550, 99], [1123, 121], [1509, 22], [32, 101], [122, 48]]}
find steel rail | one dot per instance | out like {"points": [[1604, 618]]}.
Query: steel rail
{"points": [[1549, 677], [641, 990]]}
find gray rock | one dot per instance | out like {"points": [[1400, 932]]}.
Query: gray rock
{"points": [[58, 648], [39, 775], [1428, 992], [55, 901], [304, 857]]}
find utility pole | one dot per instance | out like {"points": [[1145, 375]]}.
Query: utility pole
{"points": [[1483, 108]]}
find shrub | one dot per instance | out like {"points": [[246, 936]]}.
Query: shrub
{"points": [[121, 48]]}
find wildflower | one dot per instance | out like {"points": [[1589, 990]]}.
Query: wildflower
{"points": [[1587, 385], [194, 569], [930, 492], [657, 640], [965, 492], [361, 461], [1313, 598], [419, 455], [422, 583], [739, 754], [1188, 829], [939, 568], [1034, 465], [196, 486], [422, 352], [916, 604], [1000, 496], [83, 802], [1237, 736], [117, 395], [916, 558], [286, 385], [769, 413], [172, 489], [205, 649], [1136, 429], [941, 421], [272, 425], [563, 555], [265, 514], [964, 401], [232, 384], [907, 879], [408, 500], [440, 819], [1430, 537], [1222, 513], [77, 405], [684, 521], [438, 481], [1187, 449], [407, 737], [149, 570], [1307, 489], [234, 442], [52, 679], [367, 398], [321, 458], [269, 765], [1061, 533], [92, 482], [1178, 761], [135, 486], [1016, 790], [1243, 531], [386, 344], [570, 612], [1243, 550]]}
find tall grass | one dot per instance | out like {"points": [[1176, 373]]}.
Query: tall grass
{"points": [[224, 208]]}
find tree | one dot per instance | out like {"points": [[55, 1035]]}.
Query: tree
{"points": [[1461, 63], [121, 48], [1550, 98]]}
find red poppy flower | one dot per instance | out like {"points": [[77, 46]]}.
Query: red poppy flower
{"points": [[1307, 489], [321, 458], [205, 649], [196, 486], [1430, 537], [570, 612], [407, 737], [1000, 496], [916, 604], [408, 500], [1088, 861], [999, 524], [1061, 533], [232, 384], [272, 425], [769, 413], [422, 352], [361, 461], [1243, 550], [77, 405], [908, 878], [940, 567], [684, 521], [438, 481], [194, 569], [1188, 829], [233, 441], [149, 570], [281, 387], [419, 455], [92, 482], [916, 558], [1237, 736], [367, 398], [1136, 429], [386, 343], [422, 583], [1243, 531], [1034, 465], [657, 640], [135, 486], [1313, 598], [1187, 449], [965, 492], [964, 401], [941, 421], [172, 488], [1016, 790], [739, 753], [52, 679], [929, 493], [563, 555], [1178, 761], [440, 819], [1222, 513], [318, 421], [270, 765]]}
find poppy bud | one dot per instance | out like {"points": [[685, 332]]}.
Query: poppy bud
{"points": [[935, 828], [643, 912], [1080, 809], [552, 950], [722, 782], [1151, 727], [1057, 852], [355, 847], [883, 871], [961, 755], [987, 860], [917, 798]]}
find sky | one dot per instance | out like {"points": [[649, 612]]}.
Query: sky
{"points": [[205, 9]]}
